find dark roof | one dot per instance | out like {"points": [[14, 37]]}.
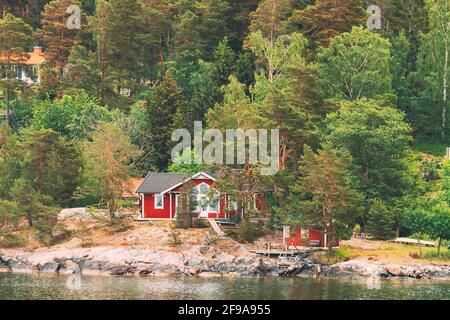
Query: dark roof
{"points": [[156, 182]]}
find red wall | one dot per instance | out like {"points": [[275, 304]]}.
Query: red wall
{"points": [[149, 207], [296, 240]]}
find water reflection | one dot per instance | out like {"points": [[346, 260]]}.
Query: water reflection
{"points": [[49, 286]]}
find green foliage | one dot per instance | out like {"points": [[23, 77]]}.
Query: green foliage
{"points": [[47, 228], [356, 65], [247, 231], [11, 161], [108, 160], [185, 163], [29, 201], [380, 222], [433, 71], [377, 138], [187, 206], [166, 100], [432, 147], [11, 240], [74, 117], [9, 215], [323, 20], [332, 202], [439, 227], [52, 164]]}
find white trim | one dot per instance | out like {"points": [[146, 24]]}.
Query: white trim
{"points": [[170, 206], [190, 178], [177, 199], [195, 176], [155, 202], [155, 219]]}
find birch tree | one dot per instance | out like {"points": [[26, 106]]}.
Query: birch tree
{"points": [[356, 65], [433, 62]]}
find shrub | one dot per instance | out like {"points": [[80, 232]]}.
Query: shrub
{"points": [[85, 235], [200, 224], [120, 224], [174, 235], [10, 240], [247, 231], [47, 228], [380, 222]]}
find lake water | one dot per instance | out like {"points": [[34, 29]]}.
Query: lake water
{"points": [[50, 286]]}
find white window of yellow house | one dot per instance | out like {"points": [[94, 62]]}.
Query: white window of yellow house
{"points": [[159, 201]]}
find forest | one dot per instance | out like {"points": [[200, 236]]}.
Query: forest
{"points": [[362, 113]]}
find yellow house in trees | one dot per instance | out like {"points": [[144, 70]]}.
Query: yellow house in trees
{"points": [[26, 65]]}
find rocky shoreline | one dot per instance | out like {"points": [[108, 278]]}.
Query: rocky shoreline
{"points": [[202, 261]]}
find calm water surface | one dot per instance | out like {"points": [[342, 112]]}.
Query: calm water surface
{"points": [[43, 286]]}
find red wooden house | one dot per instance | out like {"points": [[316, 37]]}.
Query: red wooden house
{"points": [[159, 196]]}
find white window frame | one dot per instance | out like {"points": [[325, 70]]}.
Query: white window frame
{"points": [[162, 201], [211, 209], [306, 233]]}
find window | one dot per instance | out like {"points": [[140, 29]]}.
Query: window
{"points": [[159, 201], [203, 188], [215, 205], [305, 233], [234, 205]]}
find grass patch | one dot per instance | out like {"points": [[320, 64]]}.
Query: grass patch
{"points": [[427, 145], [433, 255], [339, 255], [398, 253], [10, 240]]}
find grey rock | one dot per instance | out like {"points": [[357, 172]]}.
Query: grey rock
{"points": [[69, 267], [19, 266], [48, 267]]}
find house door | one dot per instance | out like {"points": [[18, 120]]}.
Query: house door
{"points": [[203, 206]]}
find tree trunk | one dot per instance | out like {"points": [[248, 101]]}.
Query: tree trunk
{"points": [[112, 207], [444, 102], [439, 247], [8, 106], [420, 248]]}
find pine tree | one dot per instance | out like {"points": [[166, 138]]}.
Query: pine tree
{"points": [[52, 165], [333, 202], [380, 222], [326, 19], [270, 18], [57, 38], [166, 100], [434, 68], [410, 18], [15, 40]]}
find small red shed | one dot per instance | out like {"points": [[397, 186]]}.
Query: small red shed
{"points": [[306, 237]]}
